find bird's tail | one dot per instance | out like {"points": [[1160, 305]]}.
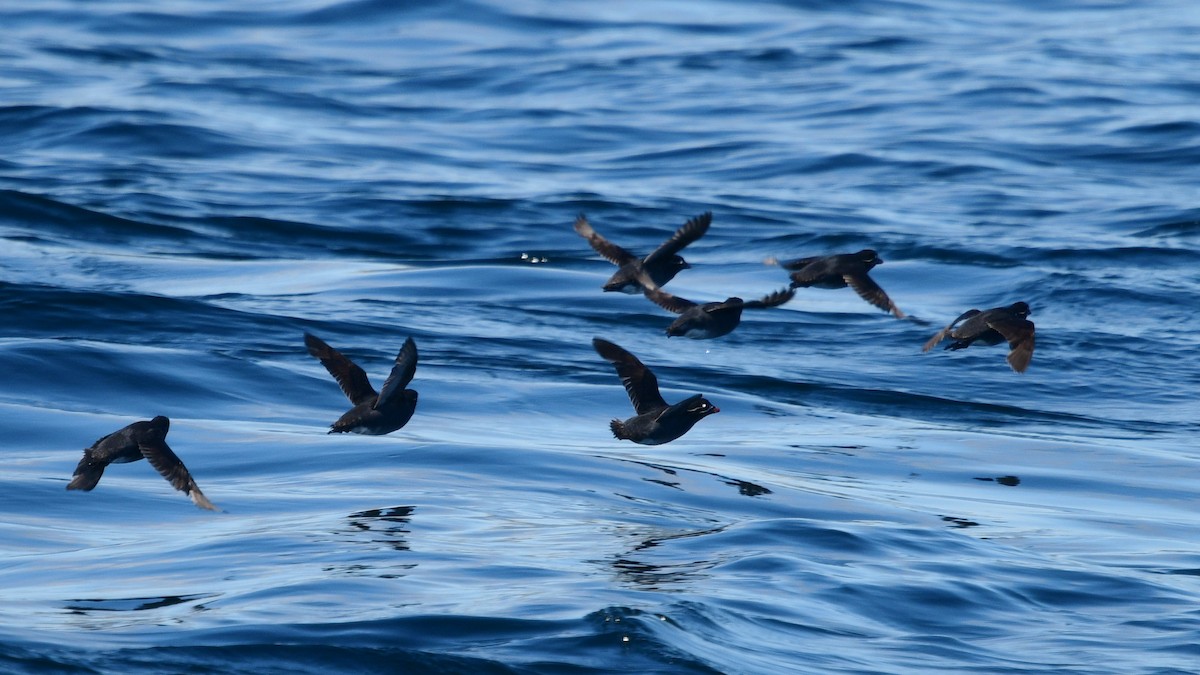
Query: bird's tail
{"points": [[618, 429]]}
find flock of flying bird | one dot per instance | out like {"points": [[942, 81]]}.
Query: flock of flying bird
{"points": [[655, 422]]}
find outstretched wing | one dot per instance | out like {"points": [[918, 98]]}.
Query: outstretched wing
{"points": [[402, 373], [96, 458], [349, 376], [941, 335], [794, 264], [611, 252], [773, 300], [870, 291], [1019, 333], [87, 473], [640, 383], [686, 234], [669, 302], [167, 463]]}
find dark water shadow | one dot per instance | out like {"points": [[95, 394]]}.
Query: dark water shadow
{"points": [[1009, 481], [961, 523], [84, 606], [744, 487]]}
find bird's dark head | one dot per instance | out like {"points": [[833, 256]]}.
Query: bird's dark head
{"points": [[1020, 309], [678, 263], [700, 406], [159, 426], [869, 257]]}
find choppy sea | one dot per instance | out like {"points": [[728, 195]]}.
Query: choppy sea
{"points": [[186, 187]]}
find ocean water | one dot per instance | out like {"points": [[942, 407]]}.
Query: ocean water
{"points": [[187, 187]]}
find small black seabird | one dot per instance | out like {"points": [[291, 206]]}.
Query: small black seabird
{"points": [[991, 327], [656, 422], [661, 265], [839, 271], [140, 440], [373, 413], [712, 319]]}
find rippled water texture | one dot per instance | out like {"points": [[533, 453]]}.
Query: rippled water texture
{"points": [[187, 187]]}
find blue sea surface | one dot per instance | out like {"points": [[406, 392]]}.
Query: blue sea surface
{"points": [[187, 187]]}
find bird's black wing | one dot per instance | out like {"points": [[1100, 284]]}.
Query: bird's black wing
{"points": [[870, 291], [669, 302], [1019, 333], [941, 335], [640, 383], [773, 300], [402, 373], [87, 473], [796, 263], [167, 463], [611, 252], [349, 376], [686, 234]]}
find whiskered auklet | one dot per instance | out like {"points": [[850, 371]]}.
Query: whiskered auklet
{"points": [[711, 319], [661, 265], [140, 440], [839, 271], [991, 327], [655, 422], [373, 413]]}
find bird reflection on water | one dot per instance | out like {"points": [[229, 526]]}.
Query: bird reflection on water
{"points": [[632, 568], [389, 524]]}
